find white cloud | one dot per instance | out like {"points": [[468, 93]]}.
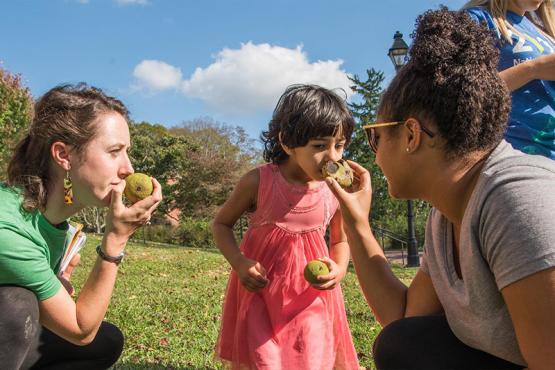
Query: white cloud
{"points": [[157, 75], [132, 2], [251, 78]]}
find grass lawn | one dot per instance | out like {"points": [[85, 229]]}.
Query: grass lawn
{"points": [[167, 301]]}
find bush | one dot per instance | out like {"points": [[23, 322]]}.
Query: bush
{"points": [[191, 232], [16, 106], [157, 233], [195, 232]]}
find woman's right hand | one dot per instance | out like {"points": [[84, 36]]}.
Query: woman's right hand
{"points": [[122, 221], [355, 205], [251, 274]]}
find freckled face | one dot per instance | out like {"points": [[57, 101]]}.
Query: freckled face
{"points": [[103, 163]]}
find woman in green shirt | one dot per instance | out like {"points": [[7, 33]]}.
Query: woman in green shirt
{"points": [[73, 156]]}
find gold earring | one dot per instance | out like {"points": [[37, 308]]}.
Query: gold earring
{"points": [[68, 190], [408, 150]]}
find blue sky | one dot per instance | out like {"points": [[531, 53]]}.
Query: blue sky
{"points": [[171, 61]]}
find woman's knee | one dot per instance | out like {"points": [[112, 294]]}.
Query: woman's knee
{"points": [[111, 340], [391, 345], [19, 322]]}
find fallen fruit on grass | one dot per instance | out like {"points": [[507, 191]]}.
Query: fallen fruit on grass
{"points": [[313, 269], [340, 171], [138, 186]]}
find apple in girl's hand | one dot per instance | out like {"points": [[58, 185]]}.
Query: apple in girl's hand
{"points": [[340, 171], [313, 269]]}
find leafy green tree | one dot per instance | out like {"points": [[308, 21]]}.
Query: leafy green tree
{"points": [[15, 115], [224, 154], [166, 157], [196, 164], [387, 212]]}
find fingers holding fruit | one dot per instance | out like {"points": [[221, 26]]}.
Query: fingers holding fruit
{"points": [[340, 171], [322, 273], [139, 187], [144, 192]]}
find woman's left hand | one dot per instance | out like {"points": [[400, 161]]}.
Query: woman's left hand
{"points": [[65, 276], [331, 280]]}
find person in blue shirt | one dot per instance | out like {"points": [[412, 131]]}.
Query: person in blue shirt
{"points": [[525, 32]]}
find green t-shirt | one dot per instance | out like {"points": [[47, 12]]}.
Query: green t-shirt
{"points": [[30, 247]]}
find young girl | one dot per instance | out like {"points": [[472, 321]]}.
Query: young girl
{"points": [[272, 317]]}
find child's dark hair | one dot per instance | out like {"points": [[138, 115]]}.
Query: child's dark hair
{"points": [[305, 112], [452, 81]]}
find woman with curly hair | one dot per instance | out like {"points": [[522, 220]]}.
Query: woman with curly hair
{"points": [[484, 296], [524, 31]]}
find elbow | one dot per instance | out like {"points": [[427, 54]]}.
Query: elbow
{"points": [[81, 340], [85, 341]]}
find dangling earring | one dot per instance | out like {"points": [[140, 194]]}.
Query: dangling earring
{"points": [[68, 190]]}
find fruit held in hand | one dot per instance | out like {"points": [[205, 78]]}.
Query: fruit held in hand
{"points": [[340, 171], [313, 269], [138, 186]]}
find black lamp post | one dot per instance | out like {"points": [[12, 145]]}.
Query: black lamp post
{"points": [[398, 54]]}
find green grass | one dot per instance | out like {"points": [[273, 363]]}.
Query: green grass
{"points": [[167, 302]]}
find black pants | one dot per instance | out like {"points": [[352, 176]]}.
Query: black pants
{"points": [[428, 343], [25, 344]]}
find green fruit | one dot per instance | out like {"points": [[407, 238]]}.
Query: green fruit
{"points": [[138, 186], [340, 171], [313, 269]]}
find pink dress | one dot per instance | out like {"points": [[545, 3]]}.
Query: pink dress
{"points": [[288, 324]]}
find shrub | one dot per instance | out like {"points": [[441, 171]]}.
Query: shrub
{"points": [[195, 232], [16, 106]]}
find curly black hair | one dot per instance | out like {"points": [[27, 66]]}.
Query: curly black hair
{"points": [[451, 80], [305, 112]]}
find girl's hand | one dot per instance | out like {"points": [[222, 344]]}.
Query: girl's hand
{"points": [[331, 280], [251, 274], [122, 221], [355, 206]]}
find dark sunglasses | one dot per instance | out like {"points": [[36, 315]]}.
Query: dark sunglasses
{"points": [[371, 132]]}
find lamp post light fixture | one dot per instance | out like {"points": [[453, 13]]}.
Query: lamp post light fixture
{"points": [[398, 53]]}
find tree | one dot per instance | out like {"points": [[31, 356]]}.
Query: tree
{"points": [[387, 212], [15, 115], [166, 157], [224, 153]]}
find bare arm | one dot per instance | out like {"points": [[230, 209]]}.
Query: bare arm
{"points": [[339, 247], [339, 255], [386, 295], [541, 68], [78, 322], [251, 273], [242, 198], [531, 302]]}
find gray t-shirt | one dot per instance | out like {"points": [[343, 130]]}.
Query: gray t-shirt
{"points": [[507, 234]]}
